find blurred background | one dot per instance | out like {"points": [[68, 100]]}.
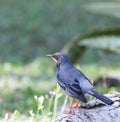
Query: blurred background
{"points": [[87, 30]]}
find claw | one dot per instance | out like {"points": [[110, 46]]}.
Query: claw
{"points": [[68, 112]]}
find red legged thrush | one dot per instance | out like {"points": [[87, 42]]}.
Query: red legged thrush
{"points": [[73, 82]]}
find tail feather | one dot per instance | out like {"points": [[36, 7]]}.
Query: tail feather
{"points": [[99, 96]]}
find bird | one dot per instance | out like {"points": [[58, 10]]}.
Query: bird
{"points": [[73, 82]]}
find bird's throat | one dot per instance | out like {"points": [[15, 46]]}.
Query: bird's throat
{"points": [[58, 66]]}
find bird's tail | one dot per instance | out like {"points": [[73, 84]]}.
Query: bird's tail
{"points": [[99, 96]]}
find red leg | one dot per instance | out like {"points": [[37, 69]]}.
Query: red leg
{"points": [[70, 110], [77, 104]]}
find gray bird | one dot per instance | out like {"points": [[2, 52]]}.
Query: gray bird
{"points": [[73, 82]]}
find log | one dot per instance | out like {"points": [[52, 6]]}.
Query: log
{"points": [[109, 81], [95, 111]]}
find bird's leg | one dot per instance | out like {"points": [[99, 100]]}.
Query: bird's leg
{"points": [[77, 104], [70, 110]]}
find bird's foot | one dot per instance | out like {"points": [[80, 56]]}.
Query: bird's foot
{"points": [[75, 106], [68, 112]]}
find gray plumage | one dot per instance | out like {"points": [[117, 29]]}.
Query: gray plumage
{"points": [[73, 82]]}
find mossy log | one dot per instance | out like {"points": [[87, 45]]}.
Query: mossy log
{"points": [[95, 111]]}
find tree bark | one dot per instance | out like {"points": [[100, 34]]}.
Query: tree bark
{"points": [[95, 111]]}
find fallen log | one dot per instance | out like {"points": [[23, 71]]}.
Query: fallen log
{"points": [[109, 81], [95, 111]]}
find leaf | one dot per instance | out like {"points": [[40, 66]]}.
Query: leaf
{"points": [[111, 43], [106, 8], [74, 48]]}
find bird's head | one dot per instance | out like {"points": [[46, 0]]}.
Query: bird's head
{"points": [[59, 58]]}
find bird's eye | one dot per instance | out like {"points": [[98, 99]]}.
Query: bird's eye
{"points": [[56, 57]]}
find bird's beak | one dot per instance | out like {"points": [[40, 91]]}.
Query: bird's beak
{"points": [[49, 56]]}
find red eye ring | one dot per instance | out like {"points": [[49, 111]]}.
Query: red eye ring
{"points": [[56, 57]]}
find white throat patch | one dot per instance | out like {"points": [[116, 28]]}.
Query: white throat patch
{"points": [[54, 59]]}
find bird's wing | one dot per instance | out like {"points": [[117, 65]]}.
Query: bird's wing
{"points": [[84, 82], [75, 89], [71, 87], [62, 85]]}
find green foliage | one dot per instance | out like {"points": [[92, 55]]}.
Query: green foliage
{"points": [[31, 29], [46, 108], [77, 47], [110, 43], [105, 8], [74, 50]]}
